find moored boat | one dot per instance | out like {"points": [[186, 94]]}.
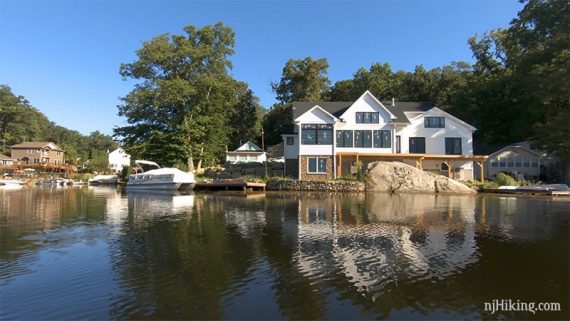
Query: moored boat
{"points": [[160, 178], [104, 180]]}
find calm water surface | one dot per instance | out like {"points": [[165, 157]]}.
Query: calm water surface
{"points": [[101, 253]]}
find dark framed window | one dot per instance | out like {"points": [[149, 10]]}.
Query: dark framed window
{"points": [[518, 162], [510, 162], [453, 146], [502, 162], [417, 145], [494, 162], [434, 122], [316, 134], [363, 138], [344, 138], [382, 138], [398, 144], [290, 140], [317, 165], [367, 117], [526, 162]]}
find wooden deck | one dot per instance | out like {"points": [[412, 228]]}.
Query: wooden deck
{"points": [[230, 186]]}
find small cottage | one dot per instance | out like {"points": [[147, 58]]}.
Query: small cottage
{"points": [[246, 153]]}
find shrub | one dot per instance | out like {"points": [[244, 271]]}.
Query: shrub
{"points": [[503, 179], [359, 171]]}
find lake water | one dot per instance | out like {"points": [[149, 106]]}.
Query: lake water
{"points": [[102, 253]]}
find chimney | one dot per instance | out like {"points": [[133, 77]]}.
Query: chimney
{"points": [[393, 101]]}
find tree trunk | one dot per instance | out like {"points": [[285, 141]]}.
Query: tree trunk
{"points": [[200, 158], [190, 163]]}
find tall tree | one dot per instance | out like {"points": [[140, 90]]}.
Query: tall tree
{"points": [[246, 119], [302, 80], [523, 74], [179, 110]]}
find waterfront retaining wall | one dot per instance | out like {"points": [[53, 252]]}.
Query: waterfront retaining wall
{"points": [[329, 186]]}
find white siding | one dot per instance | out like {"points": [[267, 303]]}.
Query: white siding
{"points": [[435, 137], [291, 151]]}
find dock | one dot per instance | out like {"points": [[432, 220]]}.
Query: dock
{"points": [[525, 192], [231, 185]]}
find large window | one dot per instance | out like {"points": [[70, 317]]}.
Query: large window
{"points": [[417, 145], [344, 138], [363, 138], [367, 117], [316, 134], [317, 165], [494, 162], [382, 138], [452, 146], [434, 122]]}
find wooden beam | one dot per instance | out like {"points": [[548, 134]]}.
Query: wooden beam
{"points": [[481, 166]]}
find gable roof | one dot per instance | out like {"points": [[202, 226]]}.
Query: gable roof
{"points": [[4, 157], [335, 108], [249, 146], [36, 145]]}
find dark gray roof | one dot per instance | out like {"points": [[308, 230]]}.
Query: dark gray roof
{"points": [[337, 108], [488, 149]]}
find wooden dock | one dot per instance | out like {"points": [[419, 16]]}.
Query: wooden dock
{"points": [[231, 185]]}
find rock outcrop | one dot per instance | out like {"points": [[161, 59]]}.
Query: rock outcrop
{"points": [[397, 177]]}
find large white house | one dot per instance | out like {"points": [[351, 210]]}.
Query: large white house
{"points": [[326, 139], [119, 159]]}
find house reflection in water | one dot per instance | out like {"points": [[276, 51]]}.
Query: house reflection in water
{"points": [[383, 239]]}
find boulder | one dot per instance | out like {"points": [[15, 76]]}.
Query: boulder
{"points": [[397, 177]]}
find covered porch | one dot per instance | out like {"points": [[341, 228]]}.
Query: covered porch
{"points": [[451, 161]]}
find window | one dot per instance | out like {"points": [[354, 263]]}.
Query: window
{"points": [[316, 134], [317, 165], [452, 146], [434, 122], [344, 138], [290, 140], [502, 162], [526, 162], [367, 117], [417, 145], [363, 138], [495, 162], [518, 162], [317, 214], [382, 138], [510, 162], [398, 144], [535, 162]]}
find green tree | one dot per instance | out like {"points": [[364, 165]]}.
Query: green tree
{"points": [[180, 108], [302, 80], [246, 119], [522, 78]]}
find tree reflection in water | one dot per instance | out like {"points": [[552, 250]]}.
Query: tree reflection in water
{"points": [[292, 256]]}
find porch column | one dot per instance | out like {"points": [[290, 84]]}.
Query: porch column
{"points": [[339, 166], [449, 169], [481, 166]]}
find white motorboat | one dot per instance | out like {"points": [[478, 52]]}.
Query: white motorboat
{"points": [[160, 178], [11, 182]]}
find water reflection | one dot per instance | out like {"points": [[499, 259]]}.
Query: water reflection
{"points": [[138, 255]]}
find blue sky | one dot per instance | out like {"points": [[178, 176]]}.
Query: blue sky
{"points": [[64, 56]]}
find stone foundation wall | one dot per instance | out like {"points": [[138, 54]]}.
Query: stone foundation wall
{"points": [[295, 185], [316, 177]]}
